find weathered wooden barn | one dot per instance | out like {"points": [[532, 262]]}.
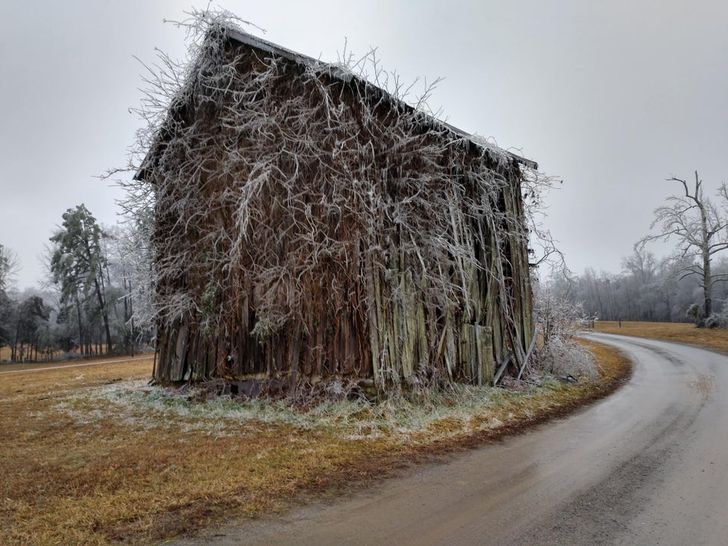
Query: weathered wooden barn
{"points": [[310, 224]]}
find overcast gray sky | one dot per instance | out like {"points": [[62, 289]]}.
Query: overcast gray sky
{"points": [[613, 97]]}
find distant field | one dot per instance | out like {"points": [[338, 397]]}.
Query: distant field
{"points": [[682, 332], [50, 366]]}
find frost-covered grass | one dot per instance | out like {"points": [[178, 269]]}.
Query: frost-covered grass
{"points": [[137, 404], [94, 455], [564, 356], [681, 332]]}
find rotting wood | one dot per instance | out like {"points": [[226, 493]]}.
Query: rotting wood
{"points": [[528, 354], [312, 226], [501, 368]]}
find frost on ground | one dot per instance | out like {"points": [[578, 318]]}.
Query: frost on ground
{"points": [[421, 415], [456, 410]]}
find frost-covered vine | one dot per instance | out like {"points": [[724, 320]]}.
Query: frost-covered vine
{"points": [[286, 191]]}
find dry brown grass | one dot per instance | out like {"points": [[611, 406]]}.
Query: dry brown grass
{"points": [[77, 363], [682, 332], [613, 365], [81, 467]]}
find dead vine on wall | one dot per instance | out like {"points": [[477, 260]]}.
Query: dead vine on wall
{"points": [[310, 223]]}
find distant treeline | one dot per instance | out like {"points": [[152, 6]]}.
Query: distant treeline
{"points": [[688, 285], [93, 301], [645, 289]]}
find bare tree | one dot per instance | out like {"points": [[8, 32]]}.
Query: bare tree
{"points": [[701, 230]]}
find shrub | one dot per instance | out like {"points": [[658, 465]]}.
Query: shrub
{"points": [[695, 314], [563, 357], [717, 320], [557, 321]]}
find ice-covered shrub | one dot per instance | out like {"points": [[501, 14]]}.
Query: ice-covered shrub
{"points": [[564, 357], [695, 314], [717, 320], [557, 322], [713, 321]]}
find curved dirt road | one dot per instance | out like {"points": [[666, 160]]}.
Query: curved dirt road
{"points": [[647, 465]]}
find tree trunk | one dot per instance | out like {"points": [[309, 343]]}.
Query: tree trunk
{"points": [[104, 313], [80, 325], [705, 250], [14, 352], [707, 286]]}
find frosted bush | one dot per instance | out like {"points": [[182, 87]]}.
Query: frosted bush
{"points": [[564, 356], [558, 321]]}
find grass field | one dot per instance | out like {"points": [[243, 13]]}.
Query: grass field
{"points": [[682, 332], [91, 455]]}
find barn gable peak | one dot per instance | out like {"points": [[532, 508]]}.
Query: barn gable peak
{"points": [[337, 71]]}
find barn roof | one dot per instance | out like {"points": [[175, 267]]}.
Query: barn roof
{"points": [[336, 71], [264, 45]]}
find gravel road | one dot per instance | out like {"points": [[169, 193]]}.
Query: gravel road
{"points": [[647, 465]]}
